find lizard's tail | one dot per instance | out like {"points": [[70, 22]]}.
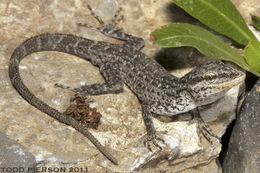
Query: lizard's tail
{"points": [[37, 44]]}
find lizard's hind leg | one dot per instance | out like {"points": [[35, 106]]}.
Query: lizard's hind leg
{"points": [[110, 30], [105, 28], [113, 84]]}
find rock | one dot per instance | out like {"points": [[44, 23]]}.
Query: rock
{"points": [[14, 157], [243, 153]]}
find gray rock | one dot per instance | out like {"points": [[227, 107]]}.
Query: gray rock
{"points": [[244, 148], [14, 157]]}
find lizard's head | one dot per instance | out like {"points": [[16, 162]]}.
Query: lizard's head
{"points": [[209, 82]]}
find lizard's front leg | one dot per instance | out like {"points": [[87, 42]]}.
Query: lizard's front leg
{"points": [[151, 132]]}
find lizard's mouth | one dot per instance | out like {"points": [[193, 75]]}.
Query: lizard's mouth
{"points": [[233, 82]]}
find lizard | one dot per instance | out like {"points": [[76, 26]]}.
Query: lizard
{"points": [[159, 92]]}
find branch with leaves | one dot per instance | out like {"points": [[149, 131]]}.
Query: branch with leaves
{"points": [[224, 18]]}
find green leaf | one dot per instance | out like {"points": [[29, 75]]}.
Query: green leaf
{"points": [[256, 21], [221, 16], [181, 34], [252, 54]]}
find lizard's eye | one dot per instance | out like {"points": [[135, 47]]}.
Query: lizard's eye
{"points": [[210, 77]]}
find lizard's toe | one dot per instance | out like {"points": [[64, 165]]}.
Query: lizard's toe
{"points": [[155, 140]]}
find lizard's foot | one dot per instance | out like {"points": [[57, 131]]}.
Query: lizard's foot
{"points": [[205, 130], [153, 139], [111, 30], [64, 87], [78, 93], [203, 127], [106, 28]]}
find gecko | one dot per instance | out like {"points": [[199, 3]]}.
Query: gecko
{"points": [[158, 91]]}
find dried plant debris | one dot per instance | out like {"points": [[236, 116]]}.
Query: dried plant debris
{"points": [[82, 112]]}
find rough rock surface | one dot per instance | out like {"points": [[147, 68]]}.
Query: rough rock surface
{"points": [[243, 153], [122, 129], [14, 157]]}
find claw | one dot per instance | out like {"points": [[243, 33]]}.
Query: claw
{"points": [[147, 145], [87, 26]]}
